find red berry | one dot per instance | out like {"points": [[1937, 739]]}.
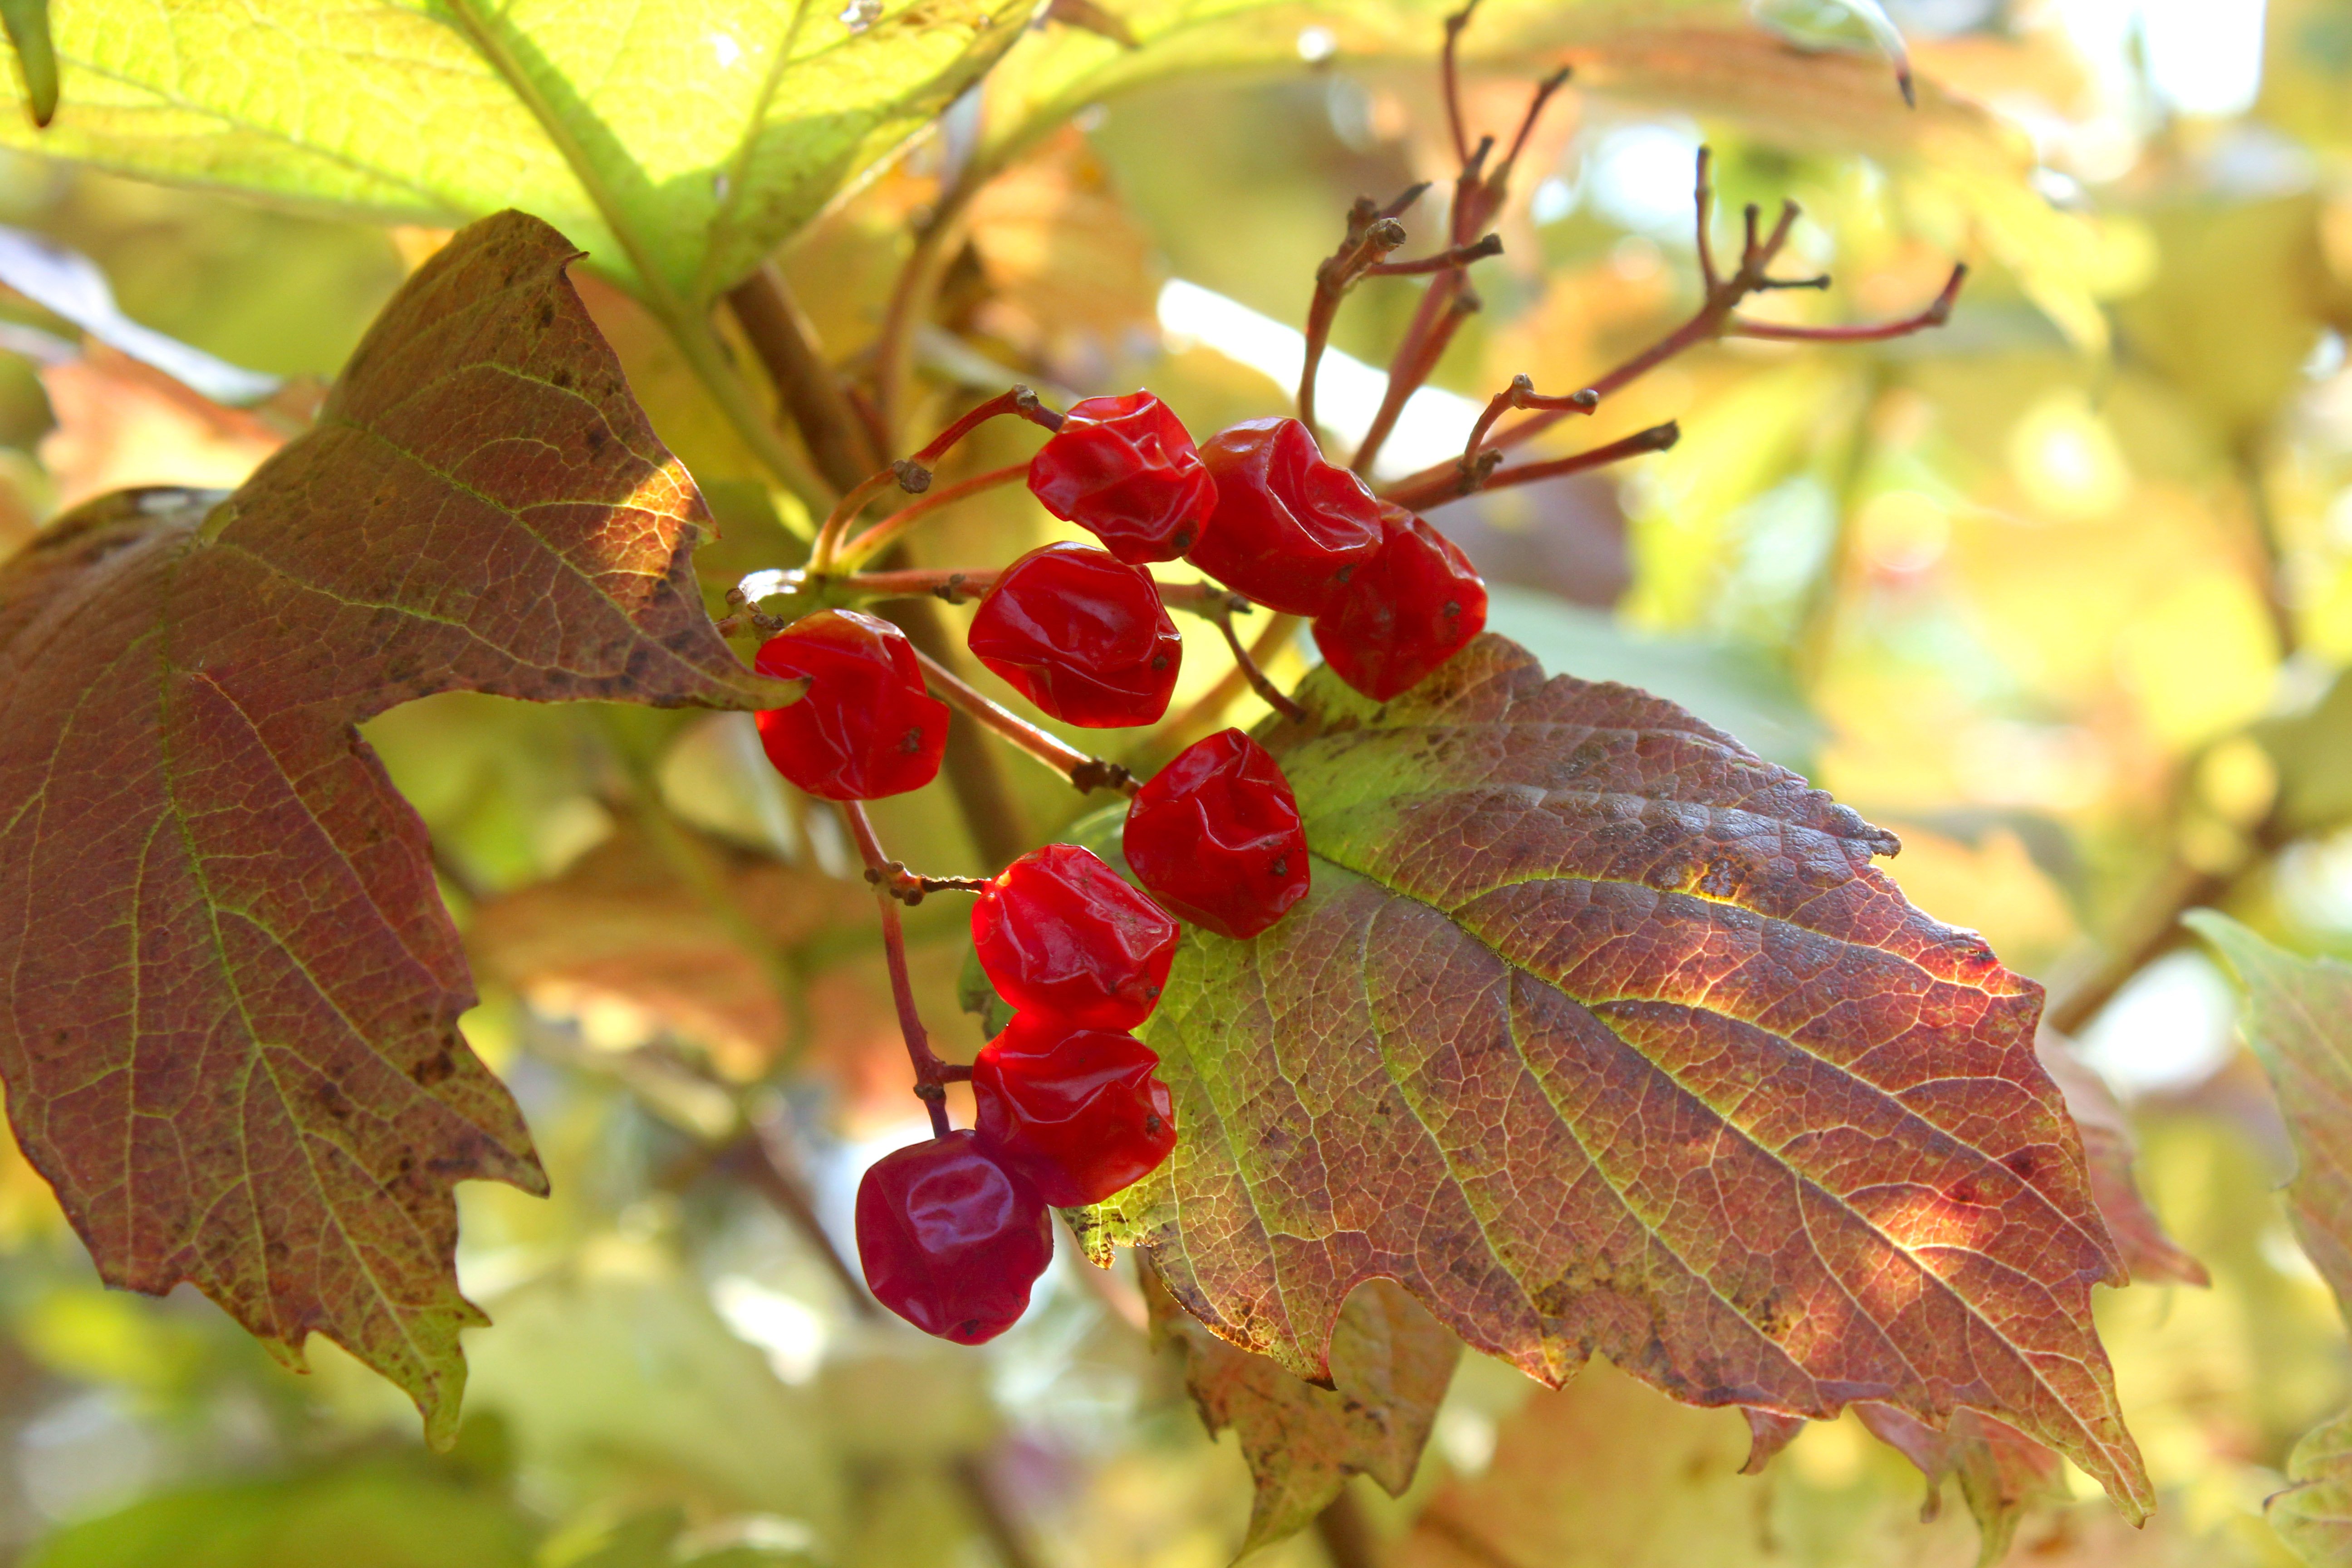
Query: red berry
{"points": [[1406, 611], [1215, 836], [1082, 635], [867, 728], [1076, 1110], [1124, 470], [950, 1240], [1290, 527], [1059, 931]]}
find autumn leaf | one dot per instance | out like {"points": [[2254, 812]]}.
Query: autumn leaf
{"points": [[1599, 1033], [2151, 1255], [1390, 1363], [228, 1026], [2299, 1021], [2001, 1473]]}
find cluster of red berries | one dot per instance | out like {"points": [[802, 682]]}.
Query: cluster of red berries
{"points": [[953, 1232]]}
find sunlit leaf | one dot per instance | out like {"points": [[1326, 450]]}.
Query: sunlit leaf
{"points": [[2150, 1254], [1597, 1033], [2299, 1021], [229, 1026], [1390, 1363], [676, 144]]}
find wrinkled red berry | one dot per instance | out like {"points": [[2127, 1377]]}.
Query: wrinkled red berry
{"points": [[1076, 1110], [1290, 527], [1124, 470], [1406, 611], [1215, 836], [867, 728], [1082, 635], [950, 1239], [1059, 931]]}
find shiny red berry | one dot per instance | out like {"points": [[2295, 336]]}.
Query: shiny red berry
{"points": [[1290, 527], [1076, 1110], [1125, 468], [950, 1240], [1081, 635], [1059, 931], [1406, 611], [1215, 836], [867, 728]]}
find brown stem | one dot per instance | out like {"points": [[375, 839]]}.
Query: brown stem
{"points": [[1521, 393], [910, 888], [1265, 689], [1084, 772], [929, 1071], [1018, 400], [913, 291], [956, 587], [1454, 486], [1442, 308], [1703, 197], [1450, 77], [911, 477], [1370, 237], [758, 1161], [1713, 320], [2155, 929], [786, 343], [1211, 705], [1459, 256], [886, 532]]}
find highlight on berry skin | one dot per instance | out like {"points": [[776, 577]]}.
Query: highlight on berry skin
{"points": [[1215, 835], [950, 1239], [1290, 527], [1124, 470], [1082, 635], [1058, 932], [1415, 604], [865, 728], [1077, 1111]]}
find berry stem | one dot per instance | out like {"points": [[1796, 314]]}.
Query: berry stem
{"points": [[961, 586], [1210, 706], [930, 1072], [1716, 318], [910, 888], [913, 475], [1371, 233], [1656, 438], [1273, 695], [912, 478], [1520, 394], [886, 532], [1083, 771]]}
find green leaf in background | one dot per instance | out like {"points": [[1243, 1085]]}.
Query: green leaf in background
{"points": [[2298, 1019], [677, 146], [27, 22]]}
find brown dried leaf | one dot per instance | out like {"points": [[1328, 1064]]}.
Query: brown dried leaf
{"points": [[1391, 1364], [228, 1026], [1599, 1033]]}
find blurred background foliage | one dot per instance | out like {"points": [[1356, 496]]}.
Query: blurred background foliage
{"points": [[2061, 592]]}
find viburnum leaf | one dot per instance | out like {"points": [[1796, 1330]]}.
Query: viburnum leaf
{"points": [[2001, 1472], [2107, 1145], [1391, 1364], [679, 141], [2298, 1019], [229, 990], [1597, 1033]]}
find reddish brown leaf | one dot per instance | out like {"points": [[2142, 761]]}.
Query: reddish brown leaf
{"points": [[2001, 1472], [1768, 1432], [2107, 1145], [228, 1017], [1597, 1033], [1390, 1363]]}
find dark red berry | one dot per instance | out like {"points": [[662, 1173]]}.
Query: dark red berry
{"points": [[1082, 635], [1215, 836], [867, 728], [1076, 1110], [1059, 931], [1290, 527], [1124, 470], [1406, 611], [950, 1240]]}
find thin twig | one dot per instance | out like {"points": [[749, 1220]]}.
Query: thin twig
{"points": [[886, 532], [1452, 487], [781, 334], [930, 1074], [1208, 708], [1266, 690], [1084, 772]]}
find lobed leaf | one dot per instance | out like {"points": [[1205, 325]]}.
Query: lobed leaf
{"points": [[2299, 1021], [679, 146], [1599, 1033], [1391, 1364], [229, 990]]}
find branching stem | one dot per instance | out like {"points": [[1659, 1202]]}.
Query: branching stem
{"points": [[931, 1074], [865, 547]]}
